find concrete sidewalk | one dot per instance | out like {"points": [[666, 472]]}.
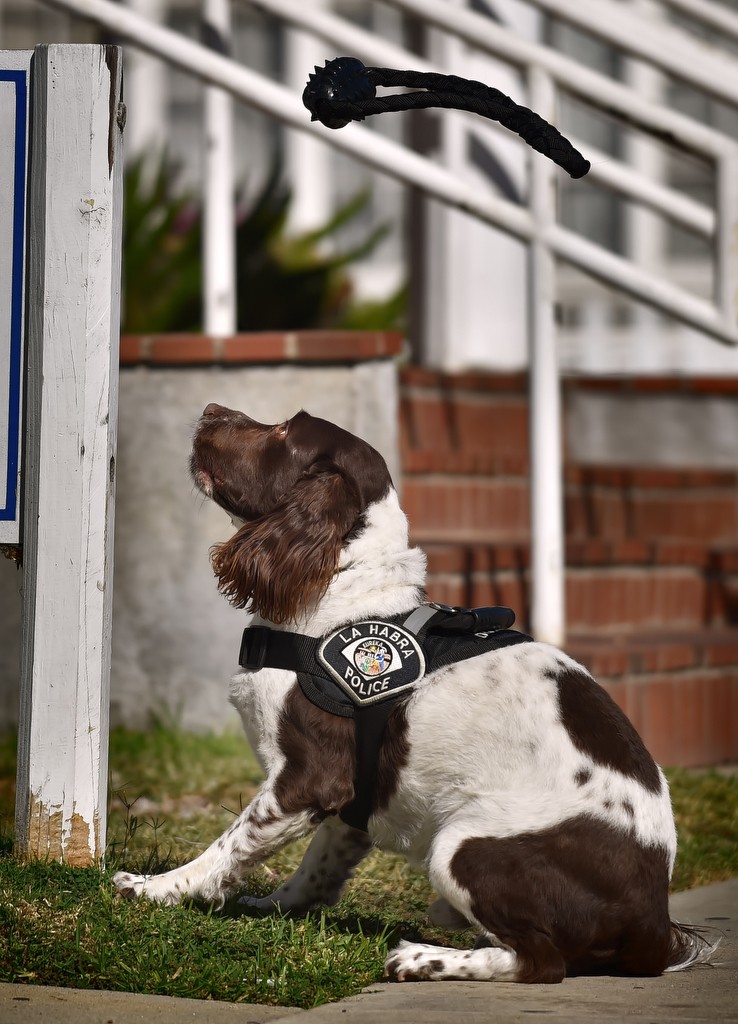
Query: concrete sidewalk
{"points": [[704, 994]]}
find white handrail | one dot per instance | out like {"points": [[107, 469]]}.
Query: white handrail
{"points": [[398, 162], [640, 284], [726, 249], [714, 15], [606, 169], [665, 46], [277, 101], [591, 86], [625, 180]]}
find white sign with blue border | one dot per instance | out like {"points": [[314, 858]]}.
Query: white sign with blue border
{"points": [[14, 72]]}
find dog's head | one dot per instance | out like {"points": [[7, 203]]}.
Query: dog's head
{"points": [[299, 489]]}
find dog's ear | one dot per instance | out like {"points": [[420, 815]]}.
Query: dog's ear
{"points": [[282, 563]]}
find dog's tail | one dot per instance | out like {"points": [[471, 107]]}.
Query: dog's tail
{"points": [[691, 945]]}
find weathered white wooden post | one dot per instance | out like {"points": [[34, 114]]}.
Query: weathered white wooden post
{"points": [[72, 365]]}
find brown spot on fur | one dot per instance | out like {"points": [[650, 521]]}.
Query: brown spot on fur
{"points": [[263, 819], [576, 897], [583, 776], [320, 756], [598, 728]]}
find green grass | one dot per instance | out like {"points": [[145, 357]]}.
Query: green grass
{"points": [[172, 794], [706, 811], [65, 927]]}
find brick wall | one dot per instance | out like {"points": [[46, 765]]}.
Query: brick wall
{"points": [[651, 551]]}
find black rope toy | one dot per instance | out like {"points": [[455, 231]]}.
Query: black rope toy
{"points": [[345, 90]]}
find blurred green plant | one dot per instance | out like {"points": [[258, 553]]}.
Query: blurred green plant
{"points": [[162, 265], [283, 281]]}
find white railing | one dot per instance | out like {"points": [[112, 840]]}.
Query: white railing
{"points": [[710, 14], [605, 170], [219, 241], [547, 72], [662, 45]]}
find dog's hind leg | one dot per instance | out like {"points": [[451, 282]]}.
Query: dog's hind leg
{"points": [[416, 961], [513, 944], [328, 864]]}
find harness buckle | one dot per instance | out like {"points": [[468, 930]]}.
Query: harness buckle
{"points": [[254, 644]]}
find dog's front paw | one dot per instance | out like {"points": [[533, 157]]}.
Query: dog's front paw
{"points": [[415, 961], [132, 886], [128, 885]]}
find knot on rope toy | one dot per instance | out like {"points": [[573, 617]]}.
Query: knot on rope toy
{"points": [[345, 90], [342, 80]]}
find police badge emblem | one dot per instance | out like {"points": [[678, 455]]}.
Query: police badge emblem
{"points": [[372, 661]]}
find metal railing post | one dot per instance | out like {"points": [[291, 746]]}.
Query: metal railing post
{"points": [[726, 236], [546, 464], [219, 222]]}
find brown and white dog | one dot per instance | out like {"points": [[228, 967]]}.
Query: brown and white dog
{"points": [[511, 778]]}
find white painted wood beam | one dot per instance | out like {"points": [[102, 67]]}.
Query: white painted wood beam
{"points": [[73, 333]]}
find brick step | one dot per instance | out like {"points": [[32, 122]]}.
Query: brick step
{"points": [[691, 505], [615, 587], [631, 654], [680, 690], [466, 507], [448, 424], [652, 554], [609, 504], [460, 557], [458, 462], [657, 478]]}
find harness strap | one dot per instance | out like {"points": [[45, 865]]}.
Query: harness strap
{"points": [[371, 723], [420, 619], [262, 646]]}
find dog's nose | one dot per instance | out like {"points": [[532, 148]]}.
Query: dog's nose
{"points": [[213, 409]]}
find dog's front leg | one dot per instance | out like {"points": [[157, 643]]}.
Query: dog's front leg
{"points": [[328, 864], [261, 829]]}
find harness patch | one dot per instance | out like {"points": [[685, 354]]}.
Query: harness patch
{"points": [[372, 661]]}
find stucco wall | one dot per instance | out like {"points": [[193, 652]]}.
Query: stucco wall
{"points": [[175, 639]]}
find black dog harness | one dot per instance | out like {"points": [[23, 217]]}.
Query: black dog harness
{"points": [[363, 669]]}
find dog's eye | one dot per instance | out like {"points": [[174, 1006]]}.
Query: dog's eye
{"points": [[281, 429]]}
